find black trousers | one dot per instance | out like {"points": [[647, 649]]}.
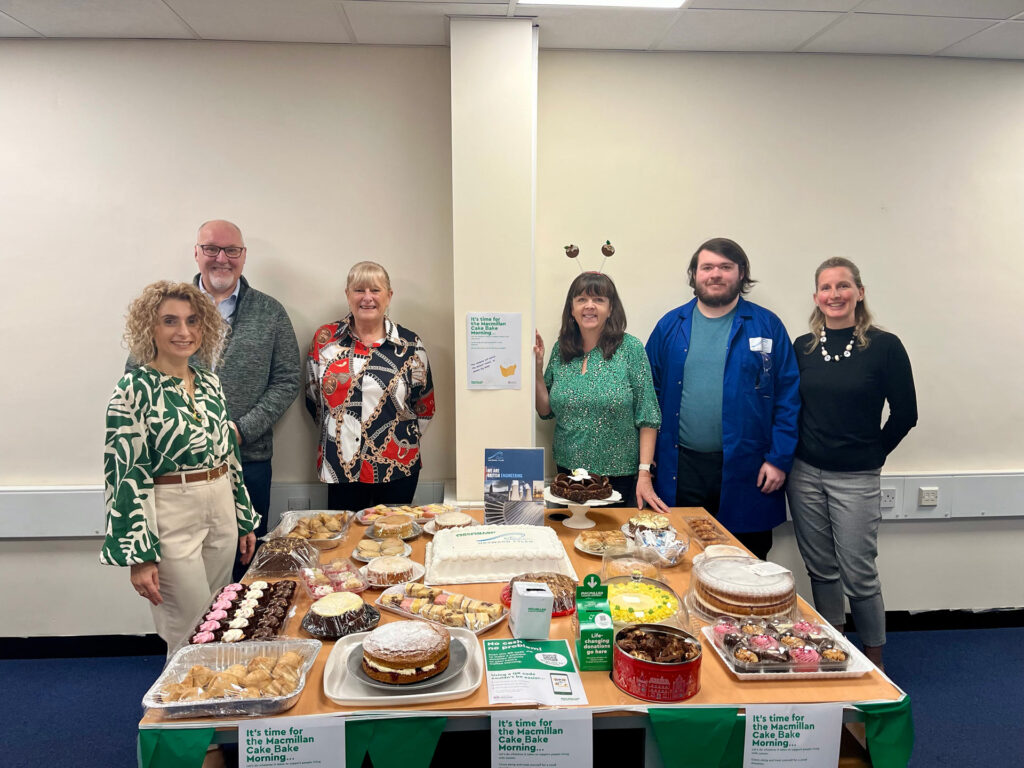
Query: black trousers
{"points": [[699, 484], [357, 496]]}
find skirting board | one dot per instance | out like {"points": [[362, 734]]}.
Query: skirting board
{"points": [[76, 511]]}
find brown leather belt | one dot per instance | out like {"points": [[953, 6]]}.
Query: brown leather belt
{"points": [[191, 477]]}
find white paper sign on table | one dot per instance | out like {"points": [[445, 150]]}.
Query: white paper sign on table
{"points": [[792, 735], [494, 350], [532, 672], [551, 738], [291, 741]]}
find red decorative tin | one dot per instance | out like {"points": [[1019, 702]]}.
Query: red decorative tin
{"points": [[653, 680]]}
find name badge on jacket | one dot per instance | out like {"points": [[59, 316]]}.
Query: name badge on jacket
{"points": [[759, 344]]}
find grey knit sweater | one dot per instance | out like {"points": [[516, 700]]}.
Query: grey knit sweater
{"points": [[260, 370]]}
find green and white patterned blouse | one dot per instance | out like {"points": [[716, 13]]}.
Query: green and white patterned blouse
{"points": [[152, 430], [598, 413]]}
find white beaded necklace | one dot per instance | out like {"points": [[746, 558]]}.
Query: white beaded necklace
{"points": [[824, 353]]}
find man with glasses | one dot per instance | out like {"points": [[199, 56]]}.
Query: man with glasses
{"points": [[728, 386], [261, 369]]}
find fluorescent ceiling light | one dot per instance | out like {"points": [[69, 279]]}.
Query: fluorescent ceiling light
{"points": [[612, 3]]}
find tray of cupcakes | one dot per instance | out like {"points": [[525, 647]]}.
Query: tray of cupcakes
{"points": [[238, 612], [763, 649], [418, 601], [220, 680]]}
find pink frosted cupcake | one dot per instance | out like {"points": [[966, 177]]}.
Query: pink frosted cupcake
{"points": [[806, 628], [722, 628], [763, 642], [805, 659]]}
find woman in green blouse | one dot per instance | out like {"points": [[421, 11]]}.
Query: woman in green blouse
{"points": [[176, 504], [598, 388]]}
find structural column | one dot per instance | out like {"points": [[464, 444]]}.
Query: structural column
{"points": [[494, 168]]}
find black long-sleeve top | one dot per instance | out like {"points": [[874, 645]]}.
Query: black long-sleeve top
{"points": [[841, 413]]}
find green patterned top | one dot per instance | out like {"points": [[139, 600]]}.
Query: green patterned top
{"points": [[597, 413], [151, 431]]}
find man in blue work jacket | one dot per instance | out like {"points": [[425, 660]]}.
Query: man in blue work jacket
{"points": [[728, 386]]}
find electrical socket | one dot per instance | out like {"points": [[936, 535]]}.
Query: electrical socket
{"points": [[298, 502], [888, 498], [928, 496]]}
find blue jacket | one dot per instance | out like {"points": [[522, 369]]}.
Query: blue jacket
{"points": [[760, 406]]}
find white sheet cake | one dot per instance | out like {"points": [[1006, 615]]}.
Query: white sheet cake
{"points": [[487, 553]]}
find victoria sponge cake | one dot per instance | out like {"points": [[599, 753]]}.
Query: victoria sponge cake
{"points": [[404, 652]]}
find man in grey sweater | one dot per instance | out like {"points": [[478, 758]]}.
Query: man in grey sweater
{"points": [[261, 369]]}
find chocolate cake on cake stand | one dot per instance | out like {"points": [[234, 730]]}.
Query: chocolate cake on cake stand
{"points": [[579, 517]]}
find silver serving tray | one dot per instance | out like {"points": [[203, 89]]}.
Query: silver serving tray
{"points": [[220, 656]]}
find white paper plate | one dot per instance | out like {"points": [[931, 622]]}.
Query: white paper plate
{"points": [[356, 556], [432, 529], [400, 589], [858, 666], [417, 574], [344, 689], [576, 543]]}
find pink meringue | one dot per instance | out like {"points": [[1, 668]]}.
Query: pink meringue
{"points": [[217, 614], [209, 626], [202, 637]]}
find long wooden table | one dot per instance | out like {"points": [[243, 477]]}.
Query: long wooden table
{"points": [[717, 686]]}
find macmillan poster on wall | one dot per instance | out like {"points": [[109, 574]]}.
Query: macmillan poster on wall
{"points": [[494, 350], [514, 486]]}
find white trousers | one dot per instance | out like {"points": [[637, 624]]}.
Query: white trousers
{"points": [[198, 534]]}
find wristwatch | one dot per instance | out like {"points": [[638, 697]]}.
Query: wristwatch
{"points": [[644, 468]]}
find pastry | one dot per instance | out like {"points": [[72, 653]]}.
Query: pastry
{"points": [[581, 486], [393, 525], [602, 542], [405, 652], [385, 571], [648, 521], [452, 520]]}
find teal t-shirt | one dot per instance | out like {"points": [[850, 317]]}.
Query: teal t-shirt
{"points": [[700, 412]]}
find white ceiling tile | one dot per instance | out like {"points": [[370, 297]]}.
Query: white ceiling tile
{"points": [[403, 23], [601, 28], [743, 30], [11, 28], [1005, 41], [775, 5], [967, 9], [877, 33], [306, 21], [97, 18]]}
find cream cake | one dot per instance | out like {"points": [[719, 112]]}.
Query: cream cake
{"points": [[485, 553], [742, 586]]}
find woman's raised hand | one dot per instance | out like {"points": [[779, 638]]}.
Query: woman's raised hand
{"points": [[538, 353]]}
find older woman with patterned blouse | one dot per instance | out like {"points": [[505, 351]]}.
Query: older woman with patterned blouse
{"points": [[599, 390], [370, 393], [176, 504]]}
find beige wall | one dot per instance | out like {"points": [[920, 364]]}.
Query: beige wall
{"points": [[112, 153], [913, 168]]}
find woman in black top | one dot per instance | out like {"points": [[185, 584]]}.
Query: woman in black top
{"points": [[848, 370]]}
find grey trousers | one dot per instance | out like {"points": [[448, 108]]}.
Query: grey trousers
{"points": [[836, 516]]}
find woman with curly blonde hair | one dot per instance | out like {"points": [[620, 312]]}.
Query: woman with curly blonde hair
{"points": [[176, 504]]}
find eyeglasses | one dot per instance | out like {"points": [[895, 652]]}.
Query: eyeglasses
{"points": [[231, 251]]}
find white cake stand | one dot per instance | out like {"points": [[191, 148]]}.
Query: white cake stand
{"points": [[579, 517]]}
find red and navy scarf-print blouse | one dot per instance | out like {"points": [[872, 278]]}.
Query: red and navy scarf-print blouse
{"points": [[371, 402]]}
